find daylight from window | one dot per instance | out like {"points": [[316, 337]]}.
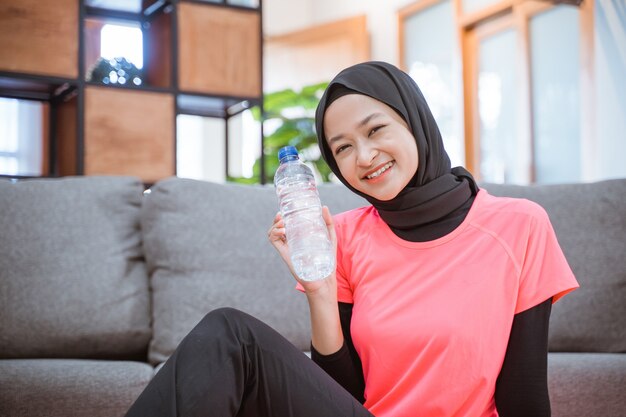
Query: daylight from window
{"points": [[122, 40]]}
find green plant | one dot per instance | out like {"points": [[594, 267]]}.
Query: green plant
{"points": [[115, 71], [292, 113]]}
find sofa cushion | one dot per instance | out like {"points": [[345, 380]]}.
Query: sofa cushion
{"points": [[587, 384], [73, 282], [206, 247], [590, 223], [66, 387]]}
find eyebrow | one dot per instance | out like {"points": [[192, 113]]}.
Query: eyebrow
{"points": [[360, 124]]}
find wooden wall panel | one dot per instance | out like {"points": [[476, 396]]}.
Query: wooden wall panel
{"points": [[158, 51], [39, 37], [129, 132], [66, 128], [218, 50]]}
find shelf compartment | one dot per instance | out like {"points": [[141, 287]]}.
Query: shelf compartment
{"points": [[155, 23], [219, 50], [129, 133], [39, 37]]}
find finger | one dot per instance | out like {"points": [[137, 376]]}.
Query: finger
{"points": [[328, 218], [281, 233], [330, 224], [277, 222], [277, 233]]}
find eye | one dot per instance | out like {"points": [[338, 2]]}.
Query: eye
{"points": [[375, 129], [341, 148]]}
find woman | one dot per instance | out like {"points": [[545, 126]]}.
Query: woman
{"points": [[440, 302]]}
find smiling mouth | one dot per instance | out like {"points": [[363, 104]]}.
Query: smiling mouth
{"points": [[380, 170]]}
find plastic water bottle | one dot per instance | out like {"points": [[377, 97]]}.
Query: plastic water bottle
{"points": [[312, 253]]}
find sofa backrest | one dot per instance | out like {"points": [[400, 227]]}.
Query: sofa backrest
{"points": [[206, 247], [590, 224], [73, 282]]}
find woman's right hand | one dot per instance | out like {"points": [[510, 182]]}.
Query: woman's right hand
{"points": [[278, 239], [326, 335]]}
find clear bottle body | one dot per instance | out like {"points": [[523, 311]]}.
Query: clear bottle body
{"points": [[312, 253]]}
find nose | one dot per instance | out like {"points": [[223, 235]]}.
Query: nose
{"points": [[365, 155]]}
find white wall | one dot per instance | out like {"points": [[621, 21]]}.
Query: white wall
{"points": [[382, 22], [283, 16]]}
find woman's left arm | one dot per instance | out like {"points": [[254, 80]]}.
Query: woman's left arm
{"points": [[522, 386]]}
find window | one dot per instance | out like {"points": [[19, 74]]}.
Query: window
{"points": [[21, 137], [201, 147], [432, 58], [556, 95], [501, 145], [122, 40], [522, 84]]}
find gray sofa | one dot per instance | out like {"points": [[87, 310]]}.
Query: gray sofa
{"points": [[99, 281]]}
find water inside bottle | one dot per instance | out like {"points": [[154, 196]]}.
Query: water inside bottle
{"points": [[312, 255]]}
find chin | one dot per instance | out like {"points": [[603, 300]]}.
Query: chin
{"points": [[385, 197]]}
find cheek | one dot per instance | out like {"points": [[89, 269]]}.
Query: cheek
{"points": [[410, 149], [346, 168]]}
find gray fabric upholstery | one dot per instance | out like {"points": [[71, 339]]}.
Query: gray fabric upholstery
{"points": [[206, 247], [67, 388], [73, 282], [590, 223], [587, 384]]}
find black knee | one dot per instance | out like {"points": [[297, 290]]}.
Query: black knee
{"points": [[224, 316], [222, 328], [225, 322]]}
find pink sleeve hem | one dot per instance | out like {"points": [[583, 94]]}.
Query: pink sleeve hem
{"points": [[555, 294], [561, 294]]}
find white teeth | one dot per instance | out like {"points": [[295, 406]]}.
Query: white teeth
{"points": [[380, 171]]}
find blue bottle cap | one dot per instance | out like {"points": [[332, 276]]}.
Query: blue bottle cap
{"points": [[287, 151]]}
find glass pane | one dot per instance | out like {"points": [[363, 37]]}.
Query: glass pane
{"points": [[21, 137], [556, 95], [244, 147], [503, 155], [8, 165], [432, 59], [470, 6], [200, 148], [609, 138]]}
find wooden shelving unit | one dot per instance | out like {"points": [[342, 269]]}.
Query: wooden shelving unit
{"points": [[200, 57]]}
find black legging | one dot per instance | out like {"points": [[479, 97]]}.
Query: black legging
{"points": [[232, 364]]}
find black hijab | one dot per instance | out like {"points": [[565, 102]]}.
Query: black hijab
{"points": [[437, 194]]}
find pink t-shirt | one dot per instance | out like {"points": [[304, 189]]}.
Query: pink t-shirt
{"points": [[431, 320]]}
